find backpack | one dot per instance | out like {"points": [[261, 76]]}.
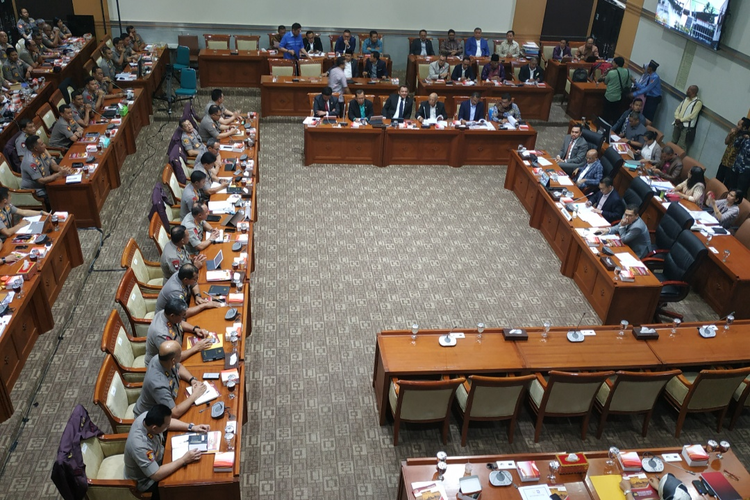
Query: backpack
{"points": [[580, 75], [69, 470]]}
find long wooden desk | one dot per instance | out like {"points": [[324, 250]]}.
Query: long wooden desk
{"points": [[586, 99], [612, 300], [69, 68], [151, 81], [579, 486], [285, 97], [534, 102], [32, 314], [28, 110], [396, 146]]}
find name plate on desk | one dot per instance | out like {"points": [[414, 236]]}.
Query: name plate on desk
{"points": [[515, 334]]}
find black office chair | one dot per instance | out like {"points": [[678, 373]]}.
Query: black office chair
{"points": [[670, 226], [611, 163], [594, 139], [679, 265], [639, 193]]}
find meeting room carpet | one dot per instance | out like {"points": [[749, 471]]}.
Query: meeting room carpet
{"points": [[342, 252]]}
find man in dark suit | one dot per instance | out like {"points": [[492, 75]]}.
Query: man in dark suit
{"points": [[345, 41], [431, 109], [312, 42], [463, 71], [398, 106], [471, 110], [607, 202], [573, 152], [324, 104], [421, 46], [358, 105], [531, 71], [374, 67], [351, 66]]}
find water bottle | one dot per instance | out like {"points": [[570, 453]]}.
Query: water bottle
{"points": [[491, 114]]}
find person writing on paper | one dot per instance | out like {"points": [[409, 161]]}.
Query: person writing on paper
{"points": [[196, 226], [725, 211], [440, 69], [195, 191], [650, 152], [668, 487], [590, 174], [494, 71], [210, 126], [359, 107], [7, 219], [632, 232], [573, 152], [144, 450], [531, 72], [38, 168], [175, 255], [693, 187], [463, 72], [471, 110], [606, 202], [505, 108], [324, 105], [162, 381], [431, 109], [669, 167], [183, 285], [170, 324]]}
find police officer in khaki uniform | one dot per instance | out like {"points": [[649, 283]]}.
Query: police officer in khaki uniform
{"points": [[14, 69], [7, 220], [27, 130], [92, 94], [38, 168], [184, 285], [210, 126], [196, 225], [169, 324], [175, 255], [25, 24], [190, 139], [108, 65], [65, 131], [81, 111]]}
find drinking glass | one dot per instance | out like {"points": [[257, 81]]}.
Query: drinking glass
{"points": [[554, 466], [675, 325], [480, 330], [729, 321], [623, 326], [240, 285], [711, 445], [55, 221], [612, 454], [726, 255], [233, 338], [18, 287], [547, 325], [723, 448], [414, 331], [709, 237], [229, 437]]}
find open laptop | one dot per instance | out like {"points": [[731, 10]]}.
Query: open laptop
{"points": [[232, 220], [215, 263]]}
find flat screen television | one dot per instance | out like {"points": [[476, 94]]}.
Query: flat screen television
{"points": [[698, 20]]}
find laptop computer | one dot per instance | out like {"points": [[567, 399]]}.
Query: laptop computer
{"points": [[215, 263], [232, 220]]}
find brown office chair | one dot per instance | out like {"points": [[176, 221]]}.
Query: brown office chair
{"points": [[716, 187], [491, 398], [148, 274], [105, 467], [47, 116], [128, 352], [743, 233], [422, 401], [115, 396], [310, 68], [659, 134], [158, 233], [247, 42], [191, 42], [270, 39], [423, 68], [217, 42], [740, 400], [707, 391], [174, 187], [139, 307], [88, 68], [688, 162], [282, 67], [57, 100], [677, 150], [631, 393], [564, 394], [22, 198]]}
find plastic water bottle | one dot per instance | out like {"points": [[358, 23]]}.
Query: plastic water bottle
{"points": [[491, 114]]}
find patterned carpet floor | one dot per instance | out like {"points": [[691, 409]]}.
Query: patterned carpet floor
{"points": [[342, 252]]}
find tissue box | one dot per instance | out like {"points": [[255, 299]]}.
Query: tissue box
{"points": [[579, 465], [28, 270], [642, 333]]}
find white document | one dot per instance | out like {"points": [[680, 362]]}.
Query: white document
{"points": [[220, 207], [703, 217], [564, 180], [536, 492], [29, 228], [628, 260], [310, 120], [506, 464], [593, 219], [74, 179], [545, 163], [209, 395], [614, 137]]}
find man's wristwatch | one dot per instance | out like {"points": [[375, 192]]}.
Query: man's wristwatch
{"points": [[190, 426], [626, 492], [195, 330], [191, 380]]}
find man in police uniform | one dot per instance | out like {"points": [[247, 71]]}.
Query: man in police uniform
{"points": [[37, 38], [138, 43], [182, 285], [4, 46], [210, 126], [196, 225], [217, 99], [81, 111], [92, 94], [26, 24], [144, 449], [65, 131], [14, 69], [120, 56], [175, 255], [162, 381], [27, 130], [210, 168], [191, 140], [38, 168], [105, 84], [196, 190], [7, 226], [108, 65], [169, 324]]}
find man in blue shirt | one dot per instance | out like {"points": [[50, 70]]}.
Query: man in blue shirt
{"points": [[292, 45], [372, 44], [649, 86], [477, 46]]}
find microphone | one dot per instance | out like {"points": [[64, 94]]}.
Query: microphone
{"points": [[570, 207], [575, 334], [448, 335], [106, 120]]}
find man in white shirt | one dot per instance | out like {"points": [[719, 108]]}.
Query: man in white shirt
{"points": [[352, 66], [508, 47], [337, 81], [440, 69]]}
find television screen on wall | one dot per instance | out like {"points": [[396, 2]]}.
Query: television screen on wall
{"points": [[699, 20]]}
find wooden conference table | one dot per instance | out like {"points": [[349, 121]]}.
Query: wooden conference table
{"points": [[396, 356], [85, 199], [72, 68], [612, 300], [534, 101], [586, 99], [282, 96], [32, 313], [151, 81], [412, 146], [577, 486]]}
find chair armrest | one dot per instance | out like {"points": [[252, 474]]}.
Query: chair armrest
{"points": [[394, 381], [675, 283], [540, 378], [684, 380], [150, 296], [113, 444], [149, 288]]}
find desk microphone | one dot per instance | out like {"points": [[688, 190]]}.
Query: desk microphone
{"points": [[106, 120], [570, 207], [576, 333], [448, 335]]}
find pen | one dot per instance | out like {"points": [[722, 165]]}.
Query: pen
{"points": [[731, 475]]}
